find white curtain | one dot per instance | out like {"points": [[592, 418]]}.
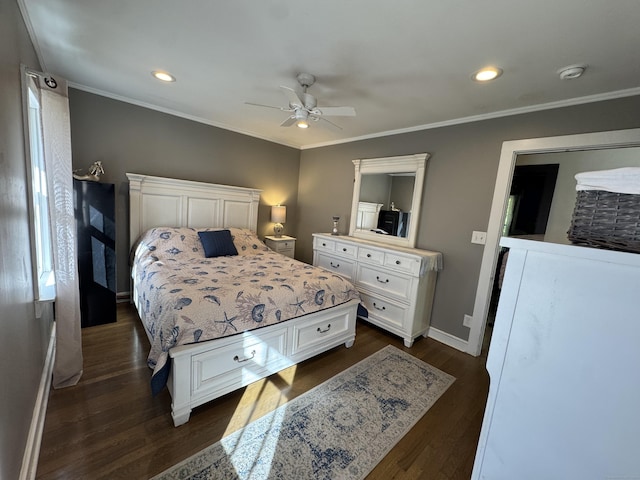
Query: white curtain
{"points": [[56, 131]]}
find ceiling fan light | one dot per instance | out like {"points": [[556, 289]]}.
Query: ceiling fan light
{"points": [[302, 124]]}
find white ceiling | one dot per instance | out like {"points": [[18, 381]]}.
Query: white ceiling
{"points": [[403, 64]]}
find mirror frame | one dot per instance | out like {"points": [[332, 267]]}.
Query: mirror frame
{"points": [[402, 164], [509, 154]]}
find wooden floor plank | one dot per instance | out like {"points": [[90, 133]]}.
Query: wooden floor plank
{"points": [[109, 426]]}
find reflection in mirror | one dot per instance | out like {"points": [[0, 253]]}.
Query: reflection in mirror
{"points": [[386, 199], [367, 218], [552, 215], [385, 203]]}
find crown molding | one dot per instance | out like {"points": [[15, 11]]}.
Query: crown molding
{"points": [[428, 126]]}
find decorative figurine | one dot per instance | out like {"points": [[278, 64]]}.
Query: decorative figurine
{"points": [[95, 170], [334, 231]]}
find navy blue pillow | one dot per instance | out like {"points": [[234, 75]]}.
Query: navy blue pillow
{"points": [[217, 243]]}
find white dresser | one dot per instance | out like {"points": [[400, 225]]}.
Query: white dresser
{"points": [[563, 361], [396, 284]]}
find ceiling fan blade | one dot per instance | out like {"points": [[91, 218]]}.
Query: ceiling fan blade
{"points": [[329, 122], [289, 121], [269, 106], [337, 111], [292, 96]]}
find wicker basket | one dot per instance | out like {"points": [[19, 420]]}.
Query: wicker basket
{"points": [[606, 220]]}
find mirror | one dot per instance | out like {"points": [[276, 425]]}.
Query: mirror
{"points": [[386, 199]]}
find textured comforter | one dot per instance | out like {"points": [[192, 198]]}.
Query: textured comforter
{"points": [[184, 297]]}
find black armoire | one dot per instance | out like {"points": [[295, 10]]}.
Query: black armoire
{"points": [[95, 220]]}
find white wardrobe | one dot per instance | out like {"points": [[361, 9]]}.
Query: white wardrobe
{"points": [[564, 366]]}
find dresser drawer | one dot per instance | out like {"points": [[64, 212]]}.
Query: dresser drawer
{"points": [[370, 255], [388, 283], [346, 249], [239, 363], [322, 244], [383, 310], [341, 266], [402, 263]]}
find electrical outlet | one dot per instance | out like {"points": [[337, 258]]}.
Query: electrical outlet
{"points": [[479, 237], [467, 321]]}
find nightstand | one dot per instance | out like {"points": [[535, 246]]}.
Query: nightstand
{"points": [[284, 244]]}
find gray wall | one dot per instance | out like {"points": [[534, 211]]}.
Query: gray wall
{"points": [[25, 338], [375, 189], [402, 192], [128, 138], [459, 185]]}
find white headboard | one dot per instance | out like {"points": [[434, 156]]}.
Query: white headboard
{"points": [[157, 201]]}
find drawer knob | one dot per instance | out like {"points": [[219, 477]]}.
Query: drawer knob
{"points": [[397, 262], [377, 307], [344, 249], [325, 330], [382, 281], [368, 255], [237, 358], [337, 265], [324, 244]]}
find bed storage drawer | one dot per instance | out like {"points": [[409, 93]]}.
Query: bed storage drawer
{"points": [[309, 336], [239, 363]]}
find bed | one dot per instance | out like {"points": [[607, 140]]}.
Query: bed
{"points": [[219, 322]]}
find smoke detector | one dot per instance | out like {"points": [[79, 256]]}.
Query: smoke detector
{"points": [[571, 72]]}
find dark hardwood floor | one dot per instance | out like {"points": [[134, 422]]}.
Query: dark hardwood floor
{"points": [[109, 425]]}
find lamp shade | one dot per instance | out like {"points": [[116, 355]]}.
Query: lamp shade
{"points": [[279, 214]]}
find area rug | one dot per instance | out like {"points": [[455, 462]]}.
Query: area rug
{"points": [[340, 429]]}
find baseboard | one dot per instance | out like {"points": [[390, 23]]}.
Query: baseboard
{"points": [[448, 339], [123, 297], [32, 448]]}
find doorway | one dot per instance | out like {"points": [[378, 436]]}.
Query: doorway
{"points": [[526, 216], [511, 151]]}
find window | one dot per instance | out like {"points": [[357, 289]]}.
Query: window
{"points": [[42, 249]]}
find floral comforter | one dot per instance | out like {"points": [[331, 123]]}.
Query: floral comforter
{"points": [[184, 297]]}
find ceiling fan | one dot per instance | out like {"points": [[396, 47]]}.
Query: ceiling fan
{"points": [[304, 107]]}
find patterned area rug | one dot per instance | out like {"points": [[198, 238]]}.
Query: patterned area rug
{"points": [[340, 429]]}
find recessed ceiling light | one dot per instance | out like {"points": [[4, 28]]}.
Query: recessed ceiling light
{"points": [[164, 76], [486, 74]]}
